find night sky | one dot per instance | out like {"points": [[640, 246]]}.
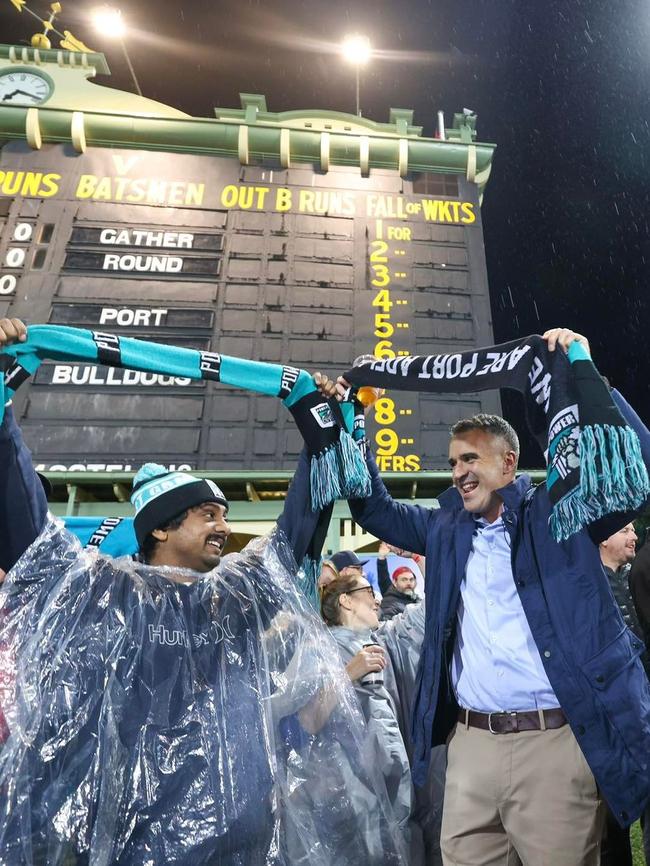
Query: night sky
{"points": [[561, 87]]}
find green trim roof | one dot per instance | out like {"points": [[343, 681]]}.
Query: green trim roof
{"points": [[89, 115]]}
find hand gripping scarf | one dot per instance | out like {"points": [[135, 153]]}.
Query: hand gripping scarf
{"points": [[337, 467], [593, 459]]}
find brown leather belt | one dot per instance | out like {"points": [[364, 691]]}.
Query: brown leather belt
{"points": [[512, 723]]}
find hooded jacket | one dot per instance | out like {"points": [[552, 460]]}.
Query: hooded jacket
{"points": [[591, 658]]}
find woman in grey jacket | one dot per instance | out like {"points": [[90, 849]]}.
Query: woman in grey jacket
{"points": [[381, 660]]}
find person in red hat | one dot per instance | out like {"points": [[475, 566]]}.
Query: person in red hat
{"points": [[398, 589], [400, 593]]}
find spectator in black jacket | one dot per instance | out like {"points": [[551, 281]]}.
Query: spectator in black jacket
{"points": [[399, 591], [640, 589], [617, 553]]}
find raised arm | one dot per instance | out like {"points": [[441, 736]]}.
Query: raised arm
{"points": [[23, 504], [383, 577], [635, 423], [305, 529], [402, 525]]}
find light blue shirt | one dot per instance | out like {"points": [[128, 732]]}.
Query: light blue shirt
{"points": [[496, 664]]}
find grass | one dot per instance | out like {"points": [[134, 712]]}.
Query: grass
{"points": [[637, 845]]}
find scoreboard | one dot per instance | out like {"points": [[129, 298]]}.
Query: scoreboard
{"points": [[286, 266], [290, 265]]}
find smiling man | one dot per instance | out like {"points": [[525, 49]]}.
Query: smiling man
{"points": [[526, 667], [154, 718], [180, 520], [151, 675]]}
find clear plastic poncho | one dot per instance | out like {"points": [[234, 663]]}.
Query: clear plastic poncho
{"points": [[160, 723]]}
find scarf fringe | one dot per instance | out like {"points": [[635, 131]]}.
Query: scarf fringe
{"points": [[354, 471], [307, 580], [613, 478], [339, 472]]}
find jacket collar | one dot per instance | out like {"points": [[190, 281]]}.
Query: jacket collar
{"points": [[512, 494]]}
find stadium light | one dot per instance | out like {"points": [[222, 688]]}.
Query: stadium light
{"points": [[109, 22], [356, 49]]}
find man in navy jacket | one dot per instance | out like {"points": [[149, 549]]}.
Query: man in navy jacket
{"points": [[527, 668]]}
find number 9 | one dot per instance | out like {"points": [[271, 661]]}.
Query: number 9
{"points": [[387, 442]]}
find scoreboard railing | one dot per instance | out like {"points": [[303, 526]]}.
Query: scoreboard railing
{"points": [[251, 495]]}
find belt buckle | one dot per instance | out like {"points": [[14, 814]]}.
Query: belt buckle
{"points": [[501, 713]]}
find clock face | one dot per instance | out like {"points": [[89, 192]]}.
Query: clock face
{"points": [[23, 88]]}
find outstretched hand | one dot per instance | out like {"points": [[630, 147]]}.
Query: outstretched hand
{"points": [[564, 337], [385, 548], [12, 331]]}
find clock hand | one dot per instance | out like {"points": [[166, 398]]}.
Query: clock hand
{"points": [[15, 93]]}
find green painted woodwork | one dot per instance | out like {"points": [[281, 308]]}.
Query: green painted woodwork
{"points": [[118, 119], [73, 91], [78, 486]]}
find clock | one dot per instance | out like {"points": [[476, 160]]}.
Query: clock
{"points": [[24, 87]]}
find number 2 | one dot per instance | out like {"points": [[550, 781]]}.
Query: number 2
{"points": [[378, 254]]}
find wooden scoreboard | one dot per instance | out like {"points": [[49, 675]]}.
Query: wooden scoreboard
{"points": [[305, 237]]}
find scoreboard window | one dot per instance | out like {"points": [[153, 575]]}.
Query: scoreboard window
{"points": [[39, 259], [46, 232], [431, 183]]}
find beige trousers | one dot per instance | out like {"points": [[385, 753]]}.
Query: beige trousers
{"points": [[527, 798]]}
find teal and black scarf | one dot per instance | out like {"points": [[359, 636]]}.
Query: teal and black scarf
{"points": [[594, 463], [337, 467]]}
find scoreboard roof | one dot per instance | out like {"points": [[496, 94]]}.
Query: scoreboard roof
{"points": [[303, 237], [85, 114]]}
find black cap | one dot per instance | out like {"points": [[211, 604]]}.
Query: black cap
{"points": [[345, 559]]}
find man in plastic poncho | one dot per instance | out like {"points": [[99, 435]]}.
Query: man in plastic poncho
{"points": [[143, 732]]}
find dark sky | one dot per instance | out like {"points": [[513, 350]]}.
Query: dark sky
{"points": [[561, 87]]}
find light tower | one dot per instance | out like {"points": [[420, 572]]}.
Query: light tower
{"points": [[356, 49]]}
